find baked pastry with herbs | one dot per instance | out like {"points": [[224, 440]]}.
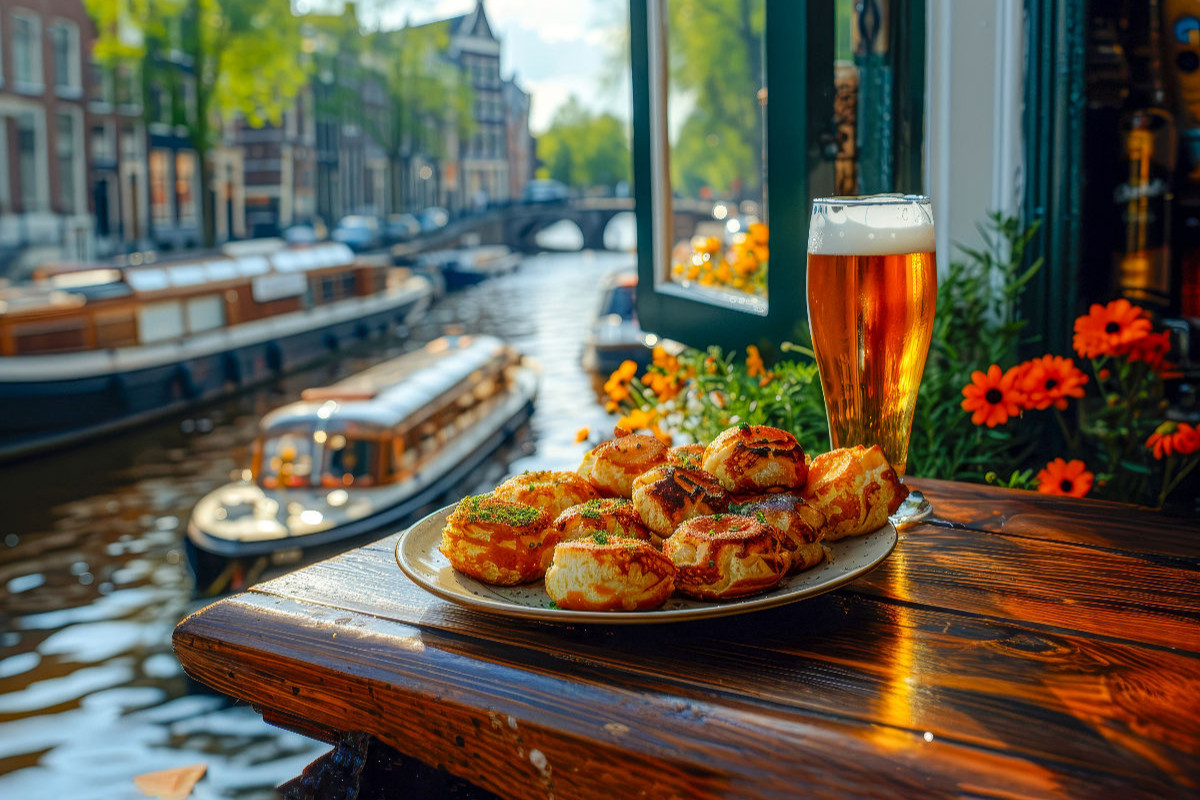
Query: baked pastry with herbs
{"points": [[611, 516], [668, 495], [553, 491], [751, 459], [612, 466], [689, 456], [609, 573], [855, 488], [498, 541], [726, 556], [800, 524]]}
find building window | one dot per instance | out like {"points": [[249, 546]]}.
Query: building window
{"points": [[64, 39], [104, 144], [185, 185], [27, 51], [160, 186], [101, 85], [5, 193], [30, 190], [65, 151], [127, 88]]}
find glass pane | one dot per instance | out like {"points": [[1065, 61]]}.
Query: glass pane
{"points": [[845, 98], [716, 150]]}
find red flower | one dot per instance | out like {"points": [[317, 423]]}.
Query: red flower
{"points": [[993, 397], [1049, 381], [1105, 330], [1067, 478], [1174, 437], [1152, 348]]}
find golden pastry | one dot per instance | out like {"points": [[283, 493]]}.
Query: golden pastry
{"points": [[666, 496], [609, 573], [611, 516], [726, 556], [690, 456], [498, 542], [553, 491], [749, 459], [800, 524], [855, 488], [612, 465]]}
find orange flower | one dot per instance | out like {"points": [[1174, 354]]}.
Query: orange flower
{"points": [[1049, 381], [992, 396], [1106, 330], [582, 434], [758, 232], [1067, 478], [1152, 348], [617, 385], [754, 362], [646, 420], [1174, 437]]}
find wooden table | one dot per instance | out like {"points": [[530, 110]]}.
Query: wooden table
{"points": [[1015, 645]]}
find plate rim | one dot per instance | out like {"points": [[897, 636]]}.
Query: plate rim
{"points": [[650, 616]]}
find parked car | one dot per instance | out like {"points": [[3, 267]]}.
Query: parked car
{"points": [[546, 191], [306, 232], [433, 218], [401, 228], [358, 231]]}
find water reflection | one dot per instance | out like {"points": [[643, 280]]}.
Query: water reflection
{"points": [[93, 580]]}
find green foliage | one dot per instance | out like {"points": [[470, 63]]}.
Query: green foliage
{"points": [[584, 148], [715, 59], [975, 325]]}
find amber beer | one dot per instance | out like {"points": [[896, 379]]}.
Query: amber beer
{"points": [[872, 288]]}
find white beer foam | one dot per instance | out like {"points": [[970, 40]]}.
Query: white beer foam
{"points": [[871, 230]]}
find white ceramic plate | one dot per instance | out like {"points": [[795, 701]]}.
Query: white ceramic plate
{"points": [[418, 555]]}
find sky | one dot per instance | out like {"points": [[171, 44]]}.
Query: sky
{"points": [[554, 47]]}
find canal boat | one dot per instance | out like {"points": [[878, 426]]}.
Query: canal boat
{"points": [[471, 265], [356, 459], [615, 336], [89, 350]]}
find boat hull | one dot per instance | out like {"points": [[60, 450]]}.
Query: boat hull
{"points": [[43, 409], [221, 565]]}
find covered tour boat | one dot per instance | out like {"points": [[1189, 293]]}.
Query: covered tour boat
{"points": [[360, 457], [91, 349]]}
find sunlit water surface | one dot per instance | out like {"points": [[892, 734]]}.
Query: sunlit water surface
{"points": [[93, 578]]}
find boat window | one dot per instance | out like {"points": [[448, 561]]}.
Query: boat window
{"points": [[619, 301], [328, 290], [287, 460], [52, 336], [206, 313], [158, 322], [349, 462], [348, 284]]}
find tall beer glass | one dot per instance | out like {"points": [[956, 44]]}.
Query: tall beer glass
{"points": [[872, 288]]}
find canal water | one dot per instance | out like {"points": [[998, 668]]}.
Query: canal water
{"points": [[93, 578]]}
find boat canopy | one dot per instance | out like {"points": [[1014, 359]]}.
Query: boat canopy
{"points": [[383, 398], [159, 277]]}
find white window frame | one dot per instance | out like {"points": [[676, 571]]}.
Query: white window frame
{"points": [[74, 87], [38, 84], [78, 159]]}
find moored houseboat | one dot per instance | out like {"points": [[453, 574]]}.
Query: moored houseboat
{"points": [[360, 457], [90, 350]]}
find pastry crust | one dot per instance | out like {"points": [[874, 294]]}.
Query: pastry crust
{"points": [[553, 491], [855, 488], [749, 459], [667, 496], [609, 574], [612, 465], [611, 516], [726, 556], [688, 456], [498, 542], [802, 525]]}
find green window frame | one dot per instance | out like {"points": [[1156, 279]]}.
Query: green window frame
{"points": [[799, 53]]}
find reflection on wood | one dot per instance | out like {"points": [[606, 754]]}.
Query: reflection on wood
{"points": [[973, 662]]}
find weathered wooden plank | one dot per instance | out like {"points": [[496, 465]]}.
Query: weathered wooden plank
{"points": [[971, 679], [1071, 520], [524, 719]]}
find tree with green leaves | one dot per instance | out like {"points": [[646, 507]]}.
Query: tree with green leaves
{"points": [[715, 59], [245, 56], [428, 101], [583, 148]]}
